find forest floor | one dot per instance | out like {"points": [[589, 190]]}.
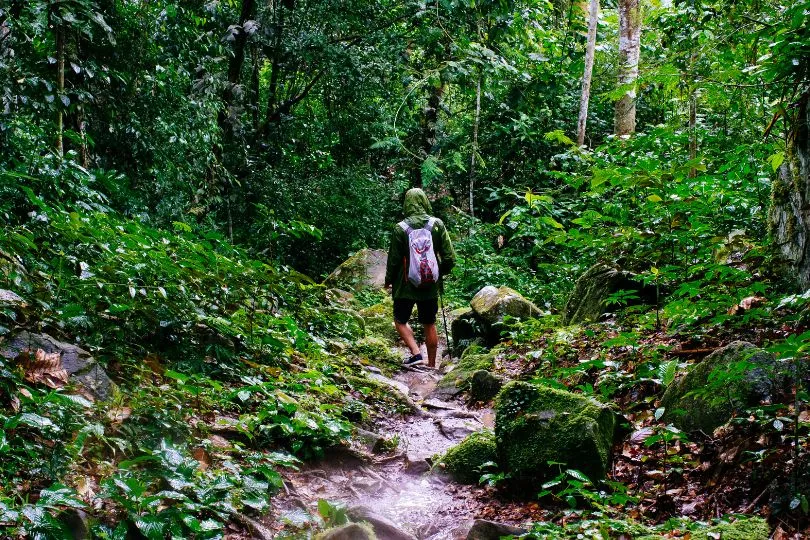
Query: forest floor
{"points": [[404, 487]]}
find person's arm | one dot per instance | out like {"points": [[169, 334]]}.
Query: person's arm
{"points": [[448, 254], [394, 257]]}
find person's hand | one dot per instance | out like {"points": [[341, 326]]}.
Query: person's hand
{"points": [[389, 288]]}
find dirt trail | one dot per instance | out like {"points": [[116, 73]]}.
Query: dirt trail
{"points": [[399, 487]]}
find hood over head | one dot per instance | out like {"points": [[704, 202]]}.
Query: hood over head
{"points": [[416, 203]]}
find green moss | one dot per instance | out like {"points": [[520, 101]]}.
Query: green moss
{"points": [[464, 460], [458, 380], [379, 321], [535, 425], [754, 528], [711, 392], [375, 351]]}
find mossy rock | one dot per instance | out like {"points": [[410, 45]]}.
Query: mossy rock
{"points": [[588, 300], [458, 379], [730, 379], [374, 351], [366, 268], [484, 385], [538, 424], [463, 462], [492, 304], [464, 329], [350, 531], [379, 321]]}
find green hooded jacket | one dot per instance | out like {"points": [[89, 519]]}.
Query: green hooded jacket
{"points": [[417, 212]]}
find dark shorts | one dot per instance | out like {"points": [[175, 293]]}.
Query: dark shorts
{"points": [[427, 310]]}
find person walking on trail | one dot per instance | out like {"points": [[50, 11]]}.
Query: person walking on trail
{"points": [[419, 257]]}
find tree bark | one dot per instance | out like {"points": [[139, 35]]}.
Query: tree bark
{"points": [[430, 120], [593, 21], [789, 215], [60, 86], [624, 119], [692, 129], [474, 153]]}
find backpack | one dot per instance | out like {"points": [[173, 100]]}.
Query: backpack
{"points": [[423, 268]]}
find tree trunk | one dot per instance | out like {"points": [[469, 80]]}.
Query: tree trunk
{"points": [[430, 121], [60, 86], [789, 215], [593, 21], [624, 119], [474, 153], [692, 129]]}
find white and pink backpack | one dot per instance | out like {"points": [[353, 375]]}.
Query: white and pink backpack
{"points": [[423, 268]]}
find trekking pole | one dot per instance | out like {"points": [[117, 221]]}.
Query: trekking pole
{"points": [[448, 352]]}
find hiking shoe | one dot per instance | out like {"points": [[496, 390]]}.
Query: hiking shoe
{"points": [[415, 360]]}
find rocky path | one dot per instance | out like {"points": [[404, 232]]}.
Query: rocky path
{"points": [[402, 493]]}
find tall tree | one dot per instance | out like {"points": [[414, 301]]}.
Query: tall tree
{"points": [[624, 119], [593, 21]]}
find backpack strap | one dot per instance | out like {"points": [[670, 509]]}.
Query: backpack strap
{"points": [[430, 223], [405, 227]]}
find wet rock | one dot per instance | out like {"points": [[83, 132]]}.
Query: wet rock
{"points": [[384, 528], [366, 268], [11, 299], [463, 462], [257, 530], [458, 379], [416, 464], [80, 365], [484, 385], [350, 531], [591, 291], [464, 329], [728, 380], [490, 530], [537, 424], [491, 304], [368, 440], [76, 522], [398, 386]]}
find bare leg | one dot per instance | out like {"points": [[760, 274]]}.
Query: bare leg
{"points": [[431, 343], [406, 334]]}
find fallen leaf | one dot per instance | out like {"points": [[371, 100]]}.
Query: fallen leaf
{"points": [[45, 368], [202, 457]]}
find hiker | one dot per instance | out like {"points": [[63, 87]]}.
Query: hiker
{"points": [[420, 255]]}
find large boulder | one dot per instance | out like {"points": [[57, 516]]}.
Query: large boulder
{"points": [[349, 531], [492, 304], [366, 268], [588, 300], [463, 462], [730, 379], [78, 363], [383, 528], [464, 329], [457, 380], [484, 385], [535, 425]]}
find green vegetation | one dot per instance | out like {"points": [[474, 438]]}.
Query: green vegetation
{"points": [[179, 180]]}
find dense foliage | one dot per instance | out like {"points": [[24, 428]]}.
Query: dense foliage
{"points": [[176, 177]]}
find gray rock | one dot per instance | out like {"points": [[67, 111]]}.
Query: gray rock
{"points": [[484, 385], [402, 388], [491, 304], [80, 365], [709, 395], [350, 531], [536, 424], [76, 522], [490, 530], [10, 298], [464, 329], [588, 300], [366, 268], [384, 528]]}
